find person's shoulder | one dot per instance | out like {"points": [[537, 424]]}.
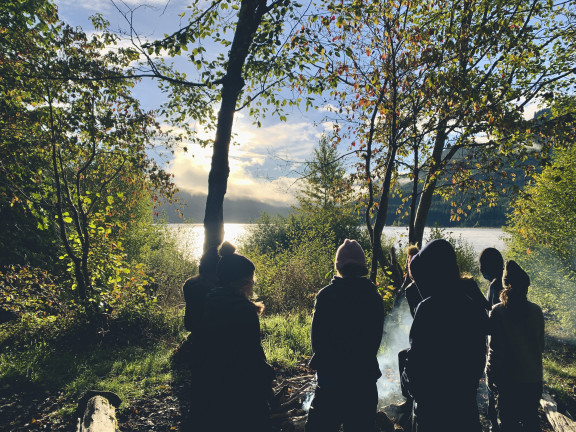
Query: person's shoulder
{"points": [[534, 308], [497, 309]]}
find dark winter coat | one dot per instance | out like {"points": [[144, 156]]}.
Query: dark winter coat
{"points": [[346, 331], [516, 344], [447, 343], [413, 295], [230, 339], [195, 290], [232, 362]]}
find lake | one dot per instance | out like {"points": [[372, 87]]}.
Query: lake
{"points": [[191, 236]]}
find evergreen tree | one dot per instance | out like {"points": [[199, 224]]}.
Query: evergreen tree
{"points": [[324, 184]]}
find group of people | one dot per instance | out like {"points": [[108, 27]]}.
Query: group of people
{"points": [[456, 336]]}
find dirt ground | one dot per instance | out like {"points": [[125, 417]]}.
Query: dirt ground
{"points": [[31, 410]]}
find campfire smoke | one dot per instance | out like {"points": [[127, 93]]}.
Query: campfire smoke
{"points": [[395, 339]]}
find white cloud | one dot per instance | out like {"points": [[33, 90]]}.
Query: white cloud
{"points": [[250, 162]]}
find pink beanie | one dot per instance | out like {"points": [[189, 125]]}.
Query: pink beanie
{"points": [[350, 253]]}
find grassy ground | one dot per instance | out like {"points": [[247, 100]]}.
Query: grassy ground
{"points": [[59, 361], [560, 373]]}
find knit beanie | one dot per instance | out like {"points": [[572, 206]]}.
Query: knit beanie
{"points": [[350, 253], [515, 276], [232, 266]]}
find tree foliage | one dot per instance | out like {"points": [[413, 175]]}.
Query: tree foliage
{"points": [[73, 148], [237, 50], [435, 91], [542, 227]]}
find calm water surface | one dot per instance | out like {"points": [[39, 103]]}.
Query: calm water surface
{"points": [[191, 236]]}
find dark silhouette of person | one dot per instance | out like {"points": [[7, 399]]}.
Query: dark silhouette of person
{"points": [[413, 297], [447, 344], [232, 360], [491, 266], [196, 288], [347, 331], [516, 343]]}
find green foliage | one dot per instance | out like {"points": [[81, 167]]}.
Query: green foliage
{"points": [[294, 266], [324, 180], [286, 339], [542, 228], [418, 87], [73, 156], [560, 371]]}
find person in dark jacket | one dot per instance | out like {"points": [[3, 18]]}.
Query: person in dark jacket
{"points": [[236, 380], [516, 343], [413, 294], [196, 288], [346, 335], [447, 344], [491, 266]]}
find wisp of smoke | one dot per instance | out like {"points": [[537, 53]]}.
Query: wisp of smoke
{"points": [[395, 338]]}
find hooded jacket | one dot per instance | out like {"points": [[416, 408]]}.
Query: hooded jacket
{"points": [[448, 335], [347, 330]]}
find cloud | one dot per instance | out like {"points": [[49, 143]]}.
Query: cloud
{"points": [[254, 172]]}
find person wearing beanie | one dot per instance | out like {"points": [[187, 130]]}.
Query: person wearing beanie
{"points": [[346, 333], [516, 343], [231, 355], [447, 344]]}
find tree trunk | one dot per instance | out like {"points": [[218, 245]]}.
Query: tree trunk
{"points": [[429, 184], [249, 19]]}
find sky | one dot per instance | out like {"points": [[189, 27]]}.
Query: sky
{"points": [[265, 164], [263, 167]]}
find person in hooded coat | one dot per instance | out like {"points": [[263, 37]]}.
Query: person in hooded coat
{"points": [[516, 343], [235, 382], [447, 344], [346, 334]]}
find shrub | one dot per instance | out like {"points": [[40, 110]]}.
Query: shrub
{"points": [[542, 228], [286, 339]]}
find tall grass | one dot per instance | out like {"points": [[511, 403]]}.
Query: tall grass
{"points": [[286, 340]]}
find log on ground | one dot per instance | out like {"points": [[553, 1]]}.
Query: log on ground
{"points": [[559, 421]]}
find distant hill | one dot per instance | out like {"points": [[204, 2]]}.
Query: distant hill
{"points": [[235, 211]]}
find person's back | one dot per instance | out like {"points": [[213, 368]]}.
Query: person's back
{"points": [[516, 343], [447, 344], [346, 333], [347, 329], [230, 353]]}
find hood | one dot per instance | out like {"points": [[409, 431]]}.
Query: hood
{"points": [[434, 268]]}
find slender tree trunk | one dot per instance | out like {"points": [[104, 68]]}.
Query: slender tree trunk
{"points": [[429, 184], [413, 199], [249, 19]]}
